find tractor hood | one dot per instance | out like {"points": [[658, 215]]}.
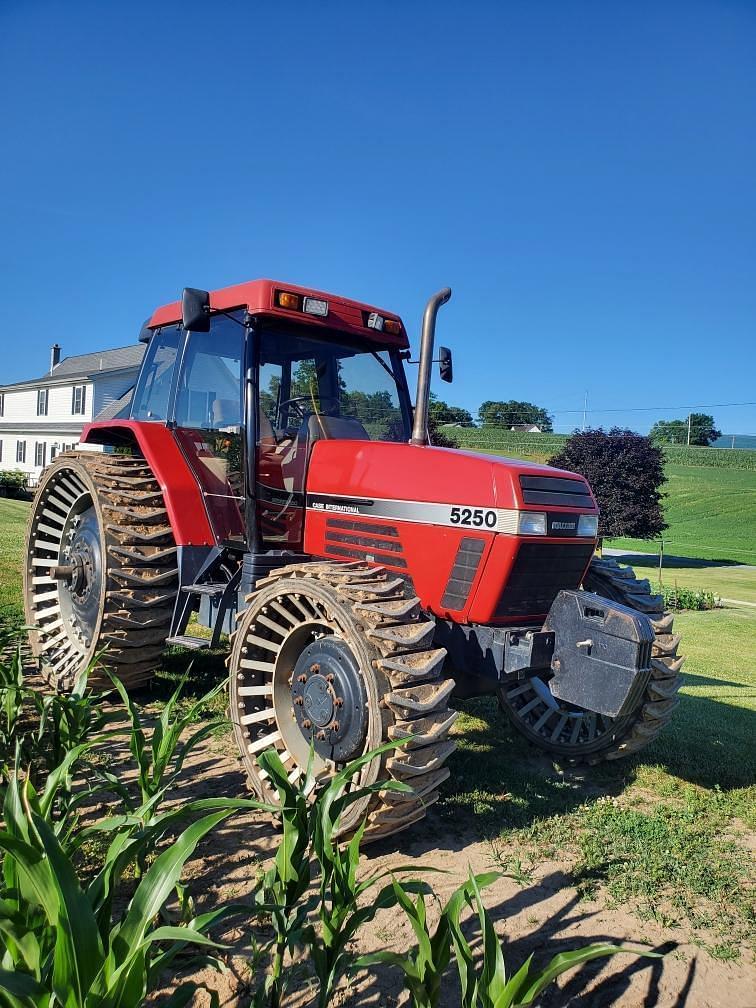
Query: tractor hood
{"points": [[424, 484]]}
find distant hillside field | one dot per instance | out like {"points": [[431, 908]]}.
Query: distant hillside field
{"points": [[711, 514], [710, 509], [541, 447]]}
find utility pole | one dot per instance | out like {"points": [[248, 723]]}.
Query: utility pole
{"points": [[689, 416], [585, 407]]}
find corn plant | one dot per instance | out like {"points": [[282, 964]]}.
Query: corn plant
{"points": [[12, 696], [284, 889], [67, 720], [322, 921], [160, 760], [58, 949], [341, 910], [484, 983], [424, 965]]}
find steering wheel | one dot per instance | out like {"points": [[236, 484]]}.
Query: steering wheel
{"points": [[297, 403]]}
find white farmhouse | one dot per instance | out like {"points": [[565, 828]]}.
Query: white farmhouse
{"points": [[44, 416]]}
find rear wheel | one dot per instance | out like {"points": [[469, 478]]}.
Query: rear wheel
{"points": [[579, 735], [101, 569], [339, 657]]}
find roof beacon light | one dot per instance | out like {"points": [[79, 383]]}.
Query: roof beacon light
{"points": [[315, 306]]}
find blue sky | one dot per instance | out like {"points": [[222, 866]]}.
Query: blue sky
{"points": [[581, 174]]}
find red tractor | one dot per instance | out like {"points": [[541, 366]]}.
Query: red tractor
{"points": [[271, 479]]}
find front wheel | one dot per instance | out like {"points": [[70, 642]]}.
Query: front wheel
{"points": [[582, 736], [333, 660]]}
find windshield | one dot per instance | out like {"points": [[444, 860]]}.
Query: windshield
{"points": [[302, 377]]}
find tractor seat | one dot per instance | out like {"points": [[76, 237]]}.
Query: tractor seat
{"points": [[226, 414], [321, 427]]}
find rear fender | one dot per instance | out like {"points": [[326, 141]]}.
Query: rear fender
{"points": [[182, 495]]}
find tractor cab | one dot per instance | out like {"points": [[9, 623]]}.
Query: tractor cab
{"points": [[248, 398]]}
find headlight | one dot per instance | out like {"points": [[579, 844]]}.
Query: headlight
{"points": [[588, 526], [531, 523]]}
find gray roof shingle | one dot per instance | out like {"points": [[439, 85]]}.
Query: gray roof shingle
{"points": [[87, 366], [104, 360]]}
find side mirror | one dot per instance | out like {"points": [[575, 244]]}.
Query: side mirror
{"points": [[145, 333], [195, 310], [445, 368]]}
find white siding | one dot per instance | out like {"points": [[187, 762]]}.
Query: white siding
{"points": [[50, 441], [112, 386], [21, 406]]}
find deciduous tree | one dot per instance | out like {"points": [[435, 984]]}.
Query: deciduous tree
{"points": [[700, 425], [493, 413], [626, 473]]}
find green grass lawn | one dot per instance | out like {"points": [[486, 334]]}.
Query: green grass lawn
{"points": [[728, 581], [13, 517]]}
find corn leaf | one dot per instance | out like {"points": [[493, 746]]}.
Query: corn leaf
{"points": [[566, 960]]}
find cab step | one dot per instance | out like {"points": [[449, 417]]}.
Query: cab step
{"points": [[187, 641], [209, 588]]}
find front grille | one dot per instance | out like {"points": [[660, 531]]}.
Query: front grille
{"points": [[555, 490], [540, 571], [358, 540]]}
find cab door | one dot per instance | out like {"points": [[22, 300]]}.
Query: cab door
{"points": [[208, 416]]}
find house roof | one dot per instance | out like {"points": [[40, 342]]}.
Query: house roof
{"points": [[114, 408], [88, 365], [104, 360]]}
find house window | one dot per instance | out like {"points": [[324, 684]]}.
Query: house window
{"points": [[53, 451], [79, 399], [40, 453], [2, 403], [20, 451], [1, 451], [42, 397]]}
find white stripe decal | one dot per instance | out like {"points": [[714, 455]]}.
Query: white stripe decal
{"points": [[485, 519]]}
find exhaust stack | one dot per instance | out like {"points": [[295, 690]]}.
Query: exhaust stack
{"points": [[420, 423]]}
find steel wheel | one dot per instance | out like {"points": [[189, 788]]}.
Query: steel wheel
{"points": [[338, 657], [101, 568], [580, 735]]}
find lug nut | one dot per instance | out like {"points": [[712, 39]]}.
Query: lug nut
{"points": [[299, 701], [307, 723], [321, 736], [302, 678], [330, 678], [338, 702], [315, 667], [334, 725]]}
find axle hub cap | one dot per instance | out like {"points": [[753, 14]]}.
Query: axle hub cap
{"points": [[329, 699]]}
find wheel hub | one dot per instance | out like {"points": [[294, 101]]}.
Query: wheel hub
{"points": [[81, 588], [329, 699]]}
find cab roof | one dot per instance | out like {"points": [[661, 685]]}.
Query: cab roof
{"points": [[258, 297]]}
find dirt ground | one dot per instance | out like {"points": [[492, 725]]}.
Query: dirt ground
{"points": [[545, 916]]}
